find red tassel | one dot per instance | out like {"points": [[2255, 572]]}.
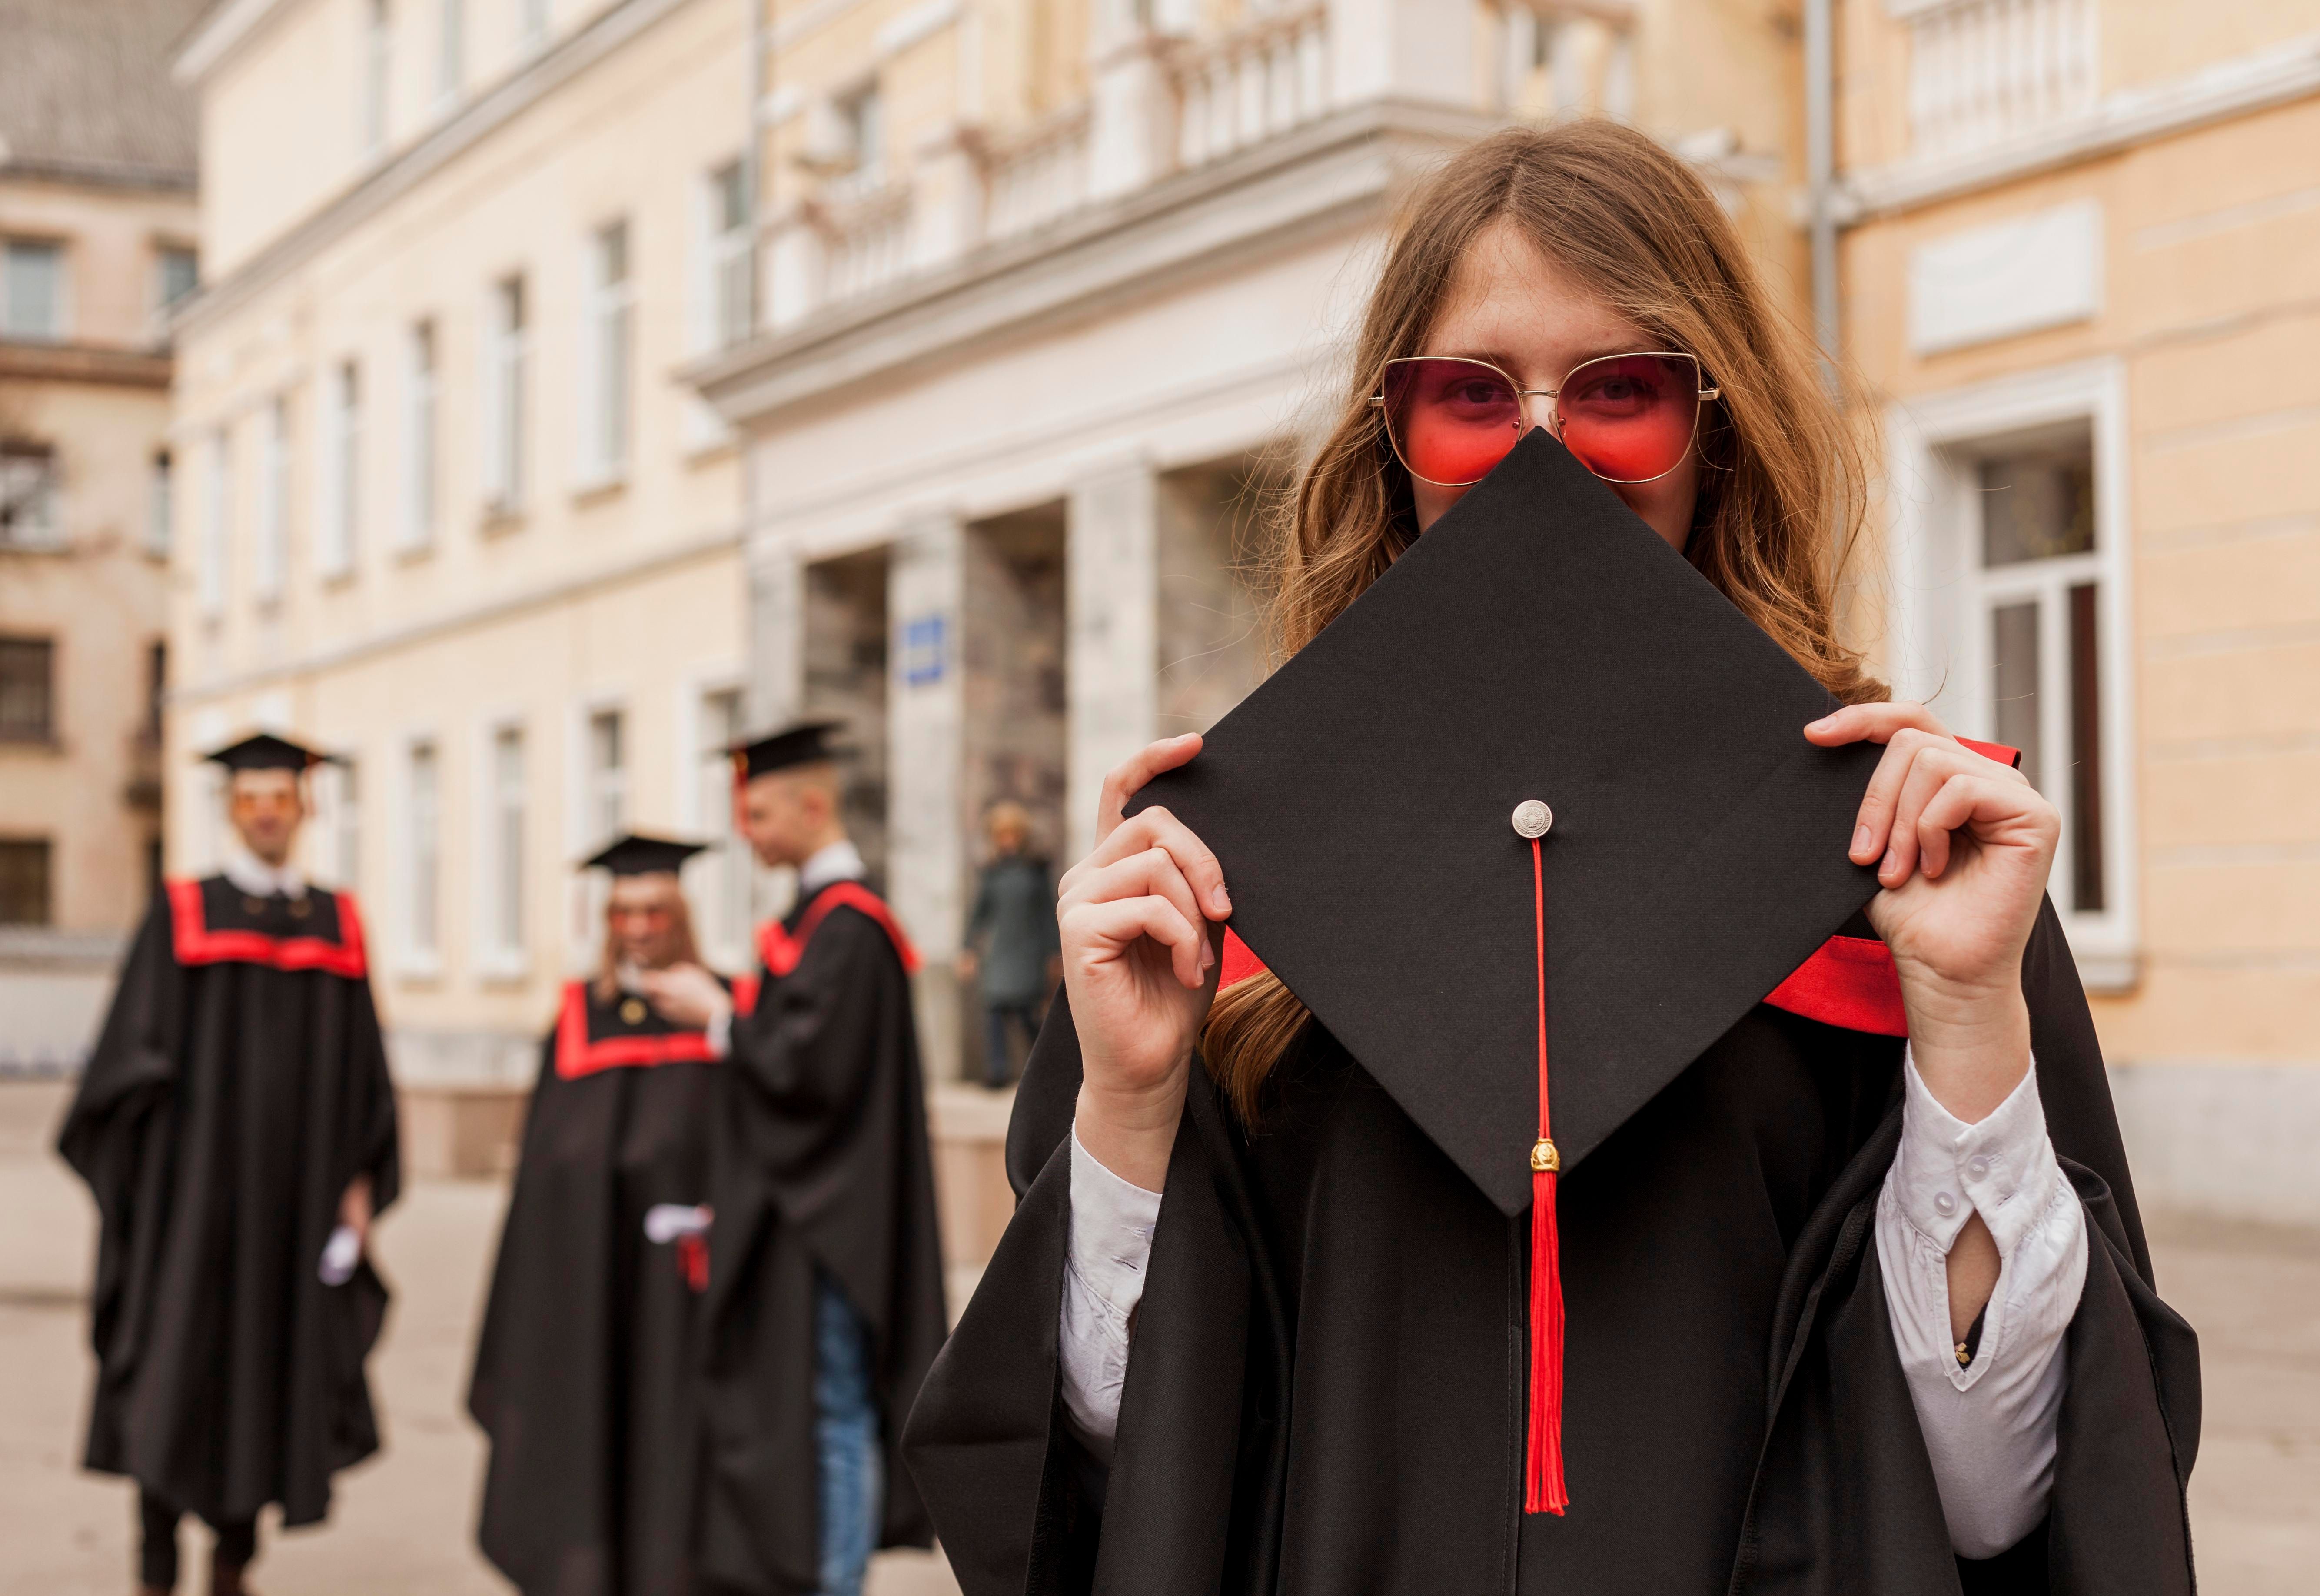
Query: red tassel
{"points": [[1543, 1486]]}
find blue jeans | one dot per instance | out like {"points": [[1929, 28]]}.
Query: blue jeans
{"points": [[845, 1438], [1000, 1058]]}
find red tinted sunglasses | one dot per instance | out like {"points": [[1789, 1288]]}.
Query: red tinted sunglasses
{"points": [[1628, 418]]}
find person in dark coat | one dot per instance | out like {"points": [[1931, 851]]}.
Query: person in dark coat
{"points": [[825, 1303], [1811, 1267], [584, 1376], [236, 1125], [1010, 943]]}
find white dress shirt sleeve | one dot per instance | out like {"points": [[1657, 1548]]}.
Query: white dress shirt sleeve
{"points": [[1989, 1425], [1103, 1281]]}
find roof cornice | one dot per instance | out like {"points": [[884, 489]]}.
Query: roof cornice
{"points": [[217, 35]]}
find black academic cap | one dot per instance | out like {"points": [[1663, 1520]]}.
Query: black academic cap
{"points": [[266, 751], [635, 855], [804, 742], [1539, 642]]}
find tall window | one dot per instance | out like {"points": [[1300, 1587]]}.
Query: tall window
{"points": [[605, 358], [339, 521], [504, 828], [340, 790], [29, 516], [503, 397], [450, 48], [419, 452], [423, 855], [270, 552], [608, 775], [24, 881], [535, 22], [725, 872], [2039, 591], [862, 115], [177, 272], [160, 505], [377, 70], [729, 257], [157, 691], [217, 527], [32, 290], [28, 711]]}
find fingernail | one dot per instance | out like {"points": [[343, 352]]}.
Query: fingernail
{"points": [[1860, 838], [1891, 859], [1816, 725]]}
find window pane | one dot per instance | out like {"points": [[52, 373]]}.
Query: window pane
{"points": [[24, 882], [507, 841], [28, 496], [425, 847], [2014, 681], [2086, 756], [33, 291], [27, 689], [2038, 506], [180, 273]]}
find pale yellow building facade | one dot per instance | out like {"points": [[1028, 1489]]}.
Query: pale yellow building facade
{"points": [[2080, 280], [97, 233], [443, 510]]}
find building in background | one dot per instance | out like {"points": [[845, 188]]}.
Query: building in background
{"points": [[2078, 276], [1049, 289], [443, 508], [97, 237]]}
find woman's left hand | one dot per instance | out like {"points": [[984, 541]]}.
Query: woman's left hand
{"points": [[1963, 847]]}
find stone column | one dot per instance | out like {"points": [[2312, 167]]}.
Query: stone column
{"points": [[926, 724], [1111, 612], [776, 689], [1132, 111], [1407, 49], [947, 195]]}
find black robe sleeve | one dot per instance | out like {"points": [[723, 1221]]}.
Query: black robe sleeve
{"points": [[1843, 1497]]}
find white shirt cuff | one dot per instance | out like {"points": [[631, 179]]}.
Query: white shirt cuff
{"points": [[1111, 1228], [1990, 1425], [718, 1031]]}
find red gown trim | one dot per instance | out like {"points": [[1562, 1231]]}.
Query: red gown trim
{"points": [[196, 944], [782, 948], [576, 1056]]}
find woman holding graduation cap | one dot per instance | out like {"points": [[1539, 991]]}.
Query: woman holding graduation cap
{"points": [[1548, 1200]]}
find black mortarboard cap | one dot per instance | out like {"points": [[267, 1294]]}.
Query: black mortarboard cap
{"points": [[1538, 642], [804, 742], [635, 855], [267, 752]]}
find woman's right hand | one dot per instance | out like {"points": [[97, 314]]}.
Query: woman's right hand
{"points": [[1138, 967]]}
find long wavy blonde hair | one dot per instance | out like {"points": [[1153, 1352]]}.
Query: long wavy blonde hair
{"points": [[1782, 497]]}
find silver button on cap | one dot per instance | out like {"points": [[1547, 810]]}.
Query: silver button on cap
{"points": [[1533, 818]]}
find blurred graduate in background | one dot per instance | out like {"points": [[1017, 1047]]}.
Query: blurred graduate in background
{"points": [[583, 1375], [1011, 948], [825, 1300], [236, 1125]]}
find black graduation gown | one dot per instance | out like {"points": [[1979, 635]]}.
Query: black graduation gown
{"points": [[238, 1085], [1327, 1393], [584, 1371], [822, 1164]]}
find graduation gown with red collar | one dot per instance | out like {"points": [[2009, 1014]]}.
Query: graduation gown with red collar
{"points": [[822, 1168], [583, 1369], [238, 1085], [1327, 1394]]}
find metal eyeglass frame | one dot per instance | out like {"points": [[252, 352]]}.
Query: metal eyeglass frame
{"points": [[1554, 410]]}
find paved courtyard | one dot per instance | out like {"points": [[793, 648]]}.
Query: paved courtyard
{"points": [[404, 1521]]}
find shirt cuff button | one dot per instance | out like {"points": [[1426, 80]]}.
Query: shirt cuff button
{"points": [[1944, 1204]]}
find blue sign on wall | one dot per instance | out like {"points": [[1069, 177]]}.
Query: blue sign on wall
{"points": [[926, 650]]}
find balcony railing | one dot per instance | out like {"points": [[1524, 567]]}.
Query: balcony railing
{"points": [[1981, 71], [1263, 79], [869, 244], [1037, 176]]}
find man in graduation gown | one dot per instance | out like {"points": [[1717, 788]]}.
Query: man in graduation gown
{"points": [[1722, 1253], [236, 1125], [825, 1303], [583, 1377]]}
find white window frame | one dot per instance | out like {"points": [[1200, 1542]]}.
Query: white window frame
{"points": [[212, 560], [162, 252], [418, 940], [338, 517], [337, 833], [1941, 600], [451, 51], [60, 327], [506, 346], [608, 359], [377, 66], [585, 893], [499, 957], [270, 549], [161, 501], [532, 24], [705, 810], [422, 363], [48, 532]]}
